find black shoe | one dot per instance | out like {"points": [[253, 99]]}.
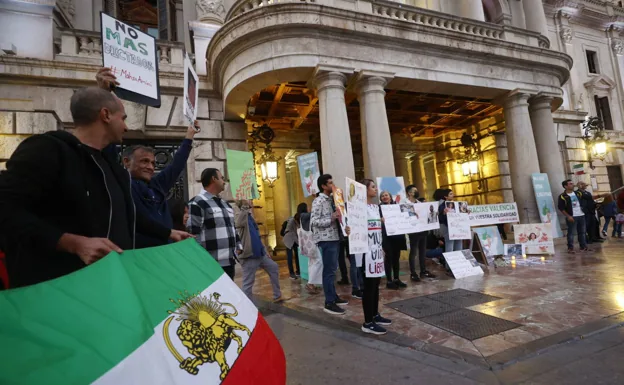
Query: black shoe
{"points": [[293, 277], [343, 282], [415, 278], [341, 301], [373, 328], [356, 294], [298, 275], [400, 283], [427, 274], [379, 320], [392, 285], [332, 308]]}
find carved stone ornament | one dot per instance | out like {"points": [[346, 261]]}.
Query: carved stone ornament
{"points": [[68, 7], [618, 46], [566, 35], [210, 10]]}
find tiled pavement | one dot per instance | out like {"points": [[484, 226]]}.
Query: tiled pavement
{"points": [[563, 297]]}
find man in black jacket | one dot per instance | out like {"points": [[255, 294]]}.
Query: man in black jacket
{"points": [[64, 203], [589, 206], [569, 204]]}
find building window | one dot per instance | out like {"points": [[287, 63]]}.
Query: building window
{"points": [[604, 112], [592, 62]]}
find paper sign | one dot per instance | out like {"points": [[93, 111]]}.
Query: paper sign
{"points": [[545, 204], [374, 258], [458, 226], [309, 173], [394, 186], [536, 238], [483, 215], [408, 218], [340, 207], [190, 90], [357, 219], [462, 264], [242, 174], [131, 56]]}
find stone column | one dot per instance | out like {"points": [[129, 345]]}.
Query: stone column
{"points": [[545, 134], [535, 17], [376, 141], [471, 9], [336, 150], [522, 154]]}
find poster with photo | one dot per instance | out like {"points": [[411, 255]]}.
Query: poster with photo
{"points": [[410, 217], [309, 172], [131, 55], [491, 241], [395, 186], [458, 226], [462, 264], [191, 90], [357, 218], [339, 202], [514, 250], [536, 238]]}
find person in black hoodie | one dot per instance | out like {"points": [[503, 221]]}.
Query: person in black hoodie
{"points": [[64, 203]]}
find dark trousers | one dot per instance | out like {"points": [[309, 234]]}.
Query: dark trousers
{"points": [[342, 264], [230, 270], [290, 253], [329, 253], [391, 264], [418, 245], [591, 225], [370, 297]]}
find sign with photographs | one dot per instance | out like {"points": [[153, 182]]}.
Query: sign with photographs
{"points": [[462, 264], [536, 238], [407, 218]]}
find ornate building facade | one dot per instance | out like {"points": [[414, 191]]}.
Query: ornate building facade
{"points": [[376, 87]]}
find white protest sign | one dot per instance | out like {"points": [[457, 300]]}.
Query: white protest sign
{"points": [[483, 215], [131, 56], [191, 90], [357, 218], [410, 217], [458, 226], [462, 264], [374, 258]]}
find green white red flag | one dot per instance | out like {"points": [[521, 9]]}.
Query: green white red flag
{"points": [[166, 315]]}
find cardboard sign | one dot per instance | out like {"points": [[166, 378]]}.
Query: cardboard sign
{"points": [[408, 218], [191, 90], [458, 226], [309, 172], [357, 217], [484, 215], [131, 56], [339, 202], [462, 264]]}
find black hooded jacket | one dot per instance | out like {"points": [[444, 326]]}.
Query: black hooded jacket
{"points": [[53, 185]]}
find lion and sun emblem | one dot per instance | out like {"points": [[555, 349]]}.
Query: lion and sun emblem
{"points": [[206, 330]]}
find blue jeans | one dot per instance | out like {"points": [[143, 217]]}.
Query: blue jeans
{"points": [[434, 253], [355, 274], [578, 226], [605, 228], [456, 245], [329, 252]]}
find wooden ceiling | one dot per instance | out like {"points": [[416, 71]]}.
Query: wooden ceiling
{"points": [[292, 106]]}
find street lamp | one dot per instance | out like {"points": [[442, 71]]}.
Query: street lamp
{"points": [[595, 139], [268, 161], [470, 167]]}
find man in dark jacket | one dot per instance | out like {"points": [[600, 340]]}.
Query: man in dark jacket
{"points": [[64, 203], [569, 204], [589, 207]]}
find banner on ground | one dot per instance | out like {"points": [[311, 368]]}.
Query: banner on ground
{"points": [[536, 238], [395, 186], [484, 215], [191, 91], [406, 218], [357, 218], [462, 264], [131, 56], [309, 172], [240, 166], [458, 226], [545, 203], [161, 315]]}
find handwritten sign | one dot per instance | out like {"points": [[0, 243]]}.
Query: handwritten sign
{"points": [[462, 264], [458, 226], [131, 55], [374, 258], [339, 202], [408, 218], [357, 217], [483, 215], [190, 90]]}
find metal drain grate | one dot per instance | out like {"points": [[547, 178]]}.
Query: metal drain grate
{"points": [[462, 298], [469, 324], [420, 307]]}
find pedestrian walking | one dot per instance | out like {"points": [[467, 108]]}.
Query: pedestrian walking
{"points": [[392, 246], [443, 196], [609, 211], [309, 249], [291, 242], [418, 241], [619, 221], [254, 255], [211, 219], [569, 204]]}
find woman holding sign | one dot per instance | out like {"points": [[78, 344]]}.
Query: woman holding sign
{"points": [[392, 245], [446, 196], [372, 266]]}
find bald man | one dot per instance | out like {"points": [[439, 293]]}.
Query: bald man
{"points": [[65, 204]]}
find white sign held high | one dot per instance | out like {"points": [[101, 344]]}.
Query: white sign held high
{"points": [[191, 90], [357, 217]]}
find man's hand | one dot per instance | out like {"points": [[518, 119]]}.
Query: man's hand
{"points": [[239, 251], [570, 219], [192, 130], [105, 79], [177, 235], [348, 230], [336, 215], [88, 249]]}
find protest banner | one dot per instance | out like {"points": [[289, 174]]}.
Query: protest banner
{"points": [[545, 204], [242, 175], [165, 314], [462, 264], [483, 215], [357, 219], [395, 186], [191, 91], [536, 238], [407, 218], [339, 202], [374, 258], [309, 172], [131, 56], [458, 226]]}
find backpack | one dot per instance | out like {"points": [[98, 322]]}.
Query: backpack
{"points": [[284, 225]]}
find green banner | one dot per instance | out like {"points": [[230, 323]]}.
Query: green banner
{"points": [[240, 166]]}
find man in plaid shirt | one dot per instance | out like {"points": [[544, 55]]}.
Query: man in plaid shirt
{"points": [[211, 219]]}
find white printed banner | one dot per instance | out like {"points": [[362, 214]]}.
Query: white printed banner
{"points": [[407, 218], [484, 215]]}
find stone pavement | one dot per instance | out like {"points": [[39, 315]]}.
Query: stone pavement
{"points": [[557, 300]]}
